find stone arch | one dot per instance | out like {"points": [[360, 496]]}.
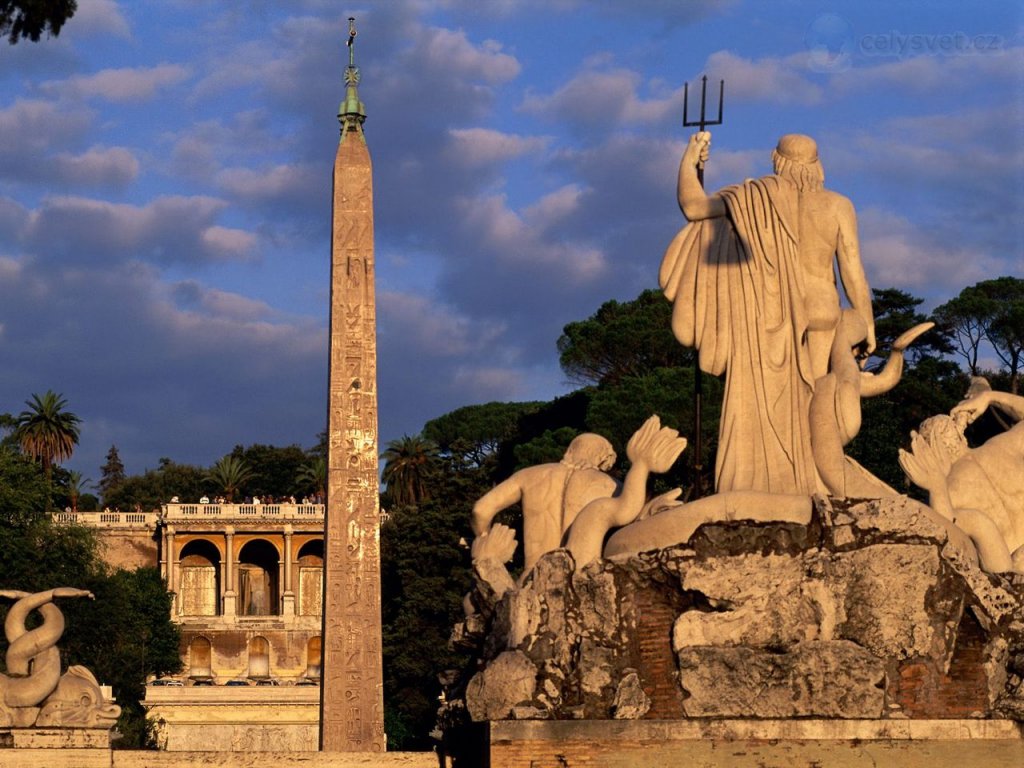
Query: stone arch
{"points": [[311, 578], [258, 587], [259, 656], [199, 579]]}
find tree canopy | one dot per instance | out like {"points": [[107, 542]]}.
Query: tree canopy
{"points": [[29, 19], [991, 312], [621, 339], [122, 637], [112, 474], [46, 430], [410, 463]]}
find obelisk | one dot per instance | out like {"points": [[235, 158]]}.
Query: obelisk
{"points": [[351, 692]]}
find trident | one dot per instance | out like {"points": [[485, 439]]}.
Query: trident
{"points": [[700, 124]]}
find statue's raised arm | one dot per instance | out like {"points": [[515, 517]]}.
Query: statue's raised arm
{"points": [[753, 286]]}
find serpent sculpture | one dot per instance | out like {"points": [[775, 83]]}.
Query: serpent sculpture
{"points": [[33, 692]]}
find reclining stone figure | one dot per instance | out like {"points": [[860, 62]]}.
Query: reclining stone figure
{"points": [[577, 494], [980, 489]]}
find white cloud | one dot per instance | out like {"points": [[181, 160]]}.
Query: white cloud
{"points": [[924, 73], [483, 146], [120, 85], [604, 98], [98, 165], [777, 80], [99, 18], [495, 228], [231, 243], [32, 126], [268, 184], [434, 329], [895, 252], [446, 50], [166, 230]]}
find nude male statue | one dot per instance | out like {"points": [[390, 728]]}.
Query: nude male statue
{"points": [[751, 278], [980, 489], [552, 494], [827, 233], [576, 490]]}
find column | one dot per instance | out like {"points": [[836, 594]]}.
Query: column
{"points": [[288, 602], [172, 570], [164, 574], [229, 571]]}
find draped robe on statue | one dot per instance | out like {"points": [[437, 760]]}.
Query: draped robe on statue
{"points": [[738, 297]]}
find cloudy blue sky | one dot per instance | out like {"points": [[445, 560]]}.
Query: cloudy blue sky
{"points": [[165, 172]]}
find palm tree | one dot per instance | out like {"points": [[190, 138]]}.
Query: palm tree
{"points": [[229, 474], [313, 474], [46, 431], [76, 484], [409, 464]]}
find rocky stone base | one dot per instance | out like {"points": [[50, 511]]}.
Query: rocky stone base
{"points": [[874, 610]]}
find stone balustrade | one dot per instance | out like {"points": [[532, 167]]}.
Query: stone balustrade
{"points": [[192, 512], [108, 519]]}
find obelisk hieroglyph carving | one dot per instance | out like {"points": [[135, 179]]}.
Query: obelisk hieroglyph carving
{"points": [[351, 699]]}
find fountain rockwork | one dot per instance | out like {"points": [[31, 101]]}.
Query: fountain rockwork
{"points": [[806, 609]]}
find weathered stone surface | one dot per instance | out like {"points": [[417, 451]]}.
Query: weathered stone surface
{"points": [[879, 621], [538, 620], [906, 520], [761, 600], [867, 613], [631, 702], [830, 679], [506, 683]]}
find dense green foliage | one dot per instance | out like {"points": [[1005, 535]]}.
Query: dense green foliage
{"points": [[112, 475], [273, 471], [622, 340], [410, 465], [30, 19], [228, 474], [990, 312], [24, 491], [157, 486], [46, 430], [122, 637]]}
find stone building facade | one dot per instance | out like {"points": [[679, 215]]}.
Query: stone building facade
{"points": [[247, 581]]}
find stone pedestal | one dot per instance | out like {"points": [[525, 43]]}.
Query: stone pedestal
{"points": [[49, 747], [743, 743], [53, 738]]}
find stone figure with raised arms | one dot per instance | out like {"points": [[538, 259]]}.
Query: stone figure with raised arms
{"points": [[576, 494]]}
